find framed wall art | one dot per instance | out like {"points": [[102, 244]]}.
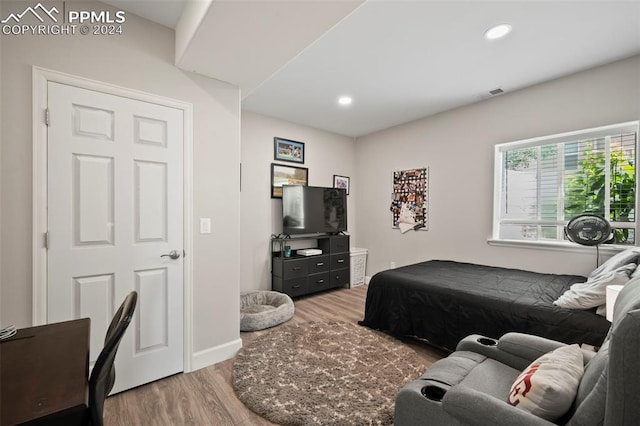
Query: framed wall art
{"points": [[410, 199], [287, 175], [341, 182], [287, 150]]}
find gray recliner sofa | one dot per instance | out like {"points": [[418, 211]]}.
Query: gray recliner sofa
{"points": [[470, 387]]}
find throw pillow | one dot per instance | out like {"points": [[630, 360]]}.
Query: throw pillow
{"points": [[622, 258], [593, 292], [635, 273], [548, 386]]}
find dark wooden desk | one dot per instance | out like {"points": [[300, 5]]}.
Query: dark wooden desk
{"points": [[44, 374]]}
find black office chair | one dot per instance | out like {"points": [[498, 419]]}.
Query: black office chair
{"points": [[103, 375]]}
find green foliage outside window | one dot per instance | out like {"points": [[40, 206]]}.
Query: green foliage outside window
{"points": [[522, 158], [584, 187], [585, 190]]}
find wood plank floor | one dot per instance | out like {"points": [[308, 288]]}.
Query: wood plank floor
{"points": [[206, 397]]}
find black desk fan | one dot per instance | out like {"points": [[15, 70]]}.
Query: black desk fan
{"points": [[589, 230]]}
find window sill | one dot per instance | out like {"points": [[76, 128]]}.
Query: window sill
{"points": [[610, 249]]}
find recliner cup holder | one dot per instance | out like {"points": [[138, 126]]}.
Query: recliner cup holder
{"points": [[434, 393], [487, 341]]}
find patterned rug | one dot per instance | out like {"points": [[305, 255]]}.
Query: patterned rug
{"points": [[324, 373]]}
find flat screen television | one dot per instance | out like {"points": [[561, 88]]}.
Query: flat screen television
{"points": [[313, 209]]}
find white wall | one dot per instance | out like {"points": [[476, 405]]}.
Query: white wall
{"points": [[141, 59], [326, 154], [458, 145]]}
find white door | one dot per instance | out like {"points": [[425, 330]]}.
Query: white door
{"points": [[115, 206]]}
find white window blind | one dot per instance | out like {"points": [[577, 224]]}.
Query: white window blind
{"points": [[542, 183]]}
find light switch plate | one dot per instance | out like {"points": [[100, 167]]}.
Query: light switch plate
{"points": [[205, 225]]}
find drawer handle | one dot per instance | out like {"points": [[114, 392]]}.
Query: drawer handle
{"points": [[340, 260], [297, 268], [296, 286], [320, 264], [320, 281]]}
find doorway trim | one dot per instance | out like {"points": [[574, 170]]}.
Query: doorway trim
{"points": [[40, 79]]}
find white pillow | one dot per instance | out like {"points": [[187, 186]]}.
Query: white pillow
{"points": [[635, 273], [593, 292], [548, 386], [622, 258], [602, 309]]}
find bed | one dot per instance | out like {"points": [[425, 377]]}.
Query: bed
{"points": [[444, 301]]}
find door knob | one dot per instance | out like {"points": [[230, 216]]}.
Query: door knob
{"points": [[172, 254]]}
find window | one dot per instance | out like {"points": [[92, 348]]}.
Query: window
{"points": [[542, 183]]}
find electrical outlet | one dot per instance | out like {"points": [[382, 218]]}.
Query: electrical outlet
{"points": [[393, 265]]}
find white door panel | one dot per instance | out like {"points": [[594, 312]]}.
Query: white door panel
{"points": [[115, 205]]}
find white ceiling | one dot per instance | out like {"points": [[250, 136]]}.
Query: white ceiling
{"points": [[246, 42], [165, 12], [399, 60]]}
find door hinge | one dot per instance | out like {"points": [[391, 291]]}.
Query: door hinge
{"points": [[46, 116], [46, 240]]}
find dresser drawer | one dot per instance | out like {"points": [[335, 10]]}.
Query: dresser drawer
{"points": [[318, 264], [339, 261], [295, 268], [317, 282], [340, 277], [295, 287]]}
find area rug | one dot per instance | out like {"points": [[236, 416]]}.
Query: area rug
{"points": [[324, 373]]}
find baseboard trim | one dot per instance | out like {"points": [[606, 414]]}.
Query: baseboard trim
{"points": [[207, 357]]}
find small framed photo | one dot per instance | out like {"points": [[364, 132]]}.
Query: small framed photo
{"points": [[341, 182], [287, 175], [286, 150]]}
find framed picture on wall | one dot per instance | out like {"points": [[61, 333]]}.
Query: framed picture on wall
{"points": [[410, 199], [287, 175], [341, 182], [287, 150]]}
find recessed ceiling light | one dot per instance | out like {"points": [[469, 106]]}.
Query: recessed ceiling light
{"points": [[497, 32], [345, 100]]}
